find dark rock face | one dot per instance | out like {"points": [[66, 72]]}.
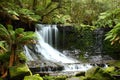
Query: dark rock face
{"points": [[68, 29], [80, 74], [46, 70], [44, 67], [68, 37], [26, 26]]}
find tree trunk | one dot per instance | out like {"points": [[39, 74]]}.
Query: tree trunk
{"points": [[12, 56], [11, 61], [34, 4], [3, 70]]}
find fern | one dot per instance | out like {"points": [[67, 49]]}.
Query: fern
{"points": [[2, 45], [114, 34]]}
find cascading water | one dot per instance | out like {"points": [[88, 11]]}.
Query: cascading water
{"points": [[44, 33], [44, 48], [30, 55]]}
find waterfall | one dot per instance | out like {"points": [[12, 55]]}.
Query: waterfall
{"points": [[44, 46], [27, 53], [45, 35], [30, 55]]}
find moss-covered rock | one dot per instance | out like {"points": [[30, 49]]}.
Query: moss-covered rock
{"points": [[100, 74], [109, 69], [48, 77], [82, 77], [115, 63], [33, 77], [62, 77], [18, 72]]}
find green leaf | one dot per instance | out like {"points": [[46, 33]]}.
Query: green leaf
{"points": [[27, 37], [2, 45], [11, 32], [19, 30], [4, 32], [13, 12], [26, 11], [36, 17]]}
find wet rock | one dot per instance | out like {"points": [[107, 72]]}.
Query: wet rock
{"points": [[99, 59], [46, 68], [101, 65], [43, 66], [80, 74]]}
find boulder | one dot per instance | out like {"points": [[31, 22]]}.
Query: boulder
{"points": [[80, 74], [19, 72], [98, 73], [33, 77]]}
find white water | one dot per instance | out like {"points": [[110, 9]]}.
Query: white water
{"points": [[27, 53], [77, 67], [30, 57], [44, 48]]}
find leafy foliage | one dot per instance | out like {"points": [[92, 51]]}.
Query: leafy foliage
{"points": [[99, 74], [86, 11], [9, 37], [114, 34], [12, 42], [2, 47], [109, 18]]}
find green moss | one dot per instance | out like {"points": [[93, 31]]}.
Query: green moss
{"points": [[82, 77], [48, 78], [22, 56], [91, 71], [55, 77], [115, 63], [33, 77], [109, 69], [18, 72], [60, 78], [99, 74]]}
